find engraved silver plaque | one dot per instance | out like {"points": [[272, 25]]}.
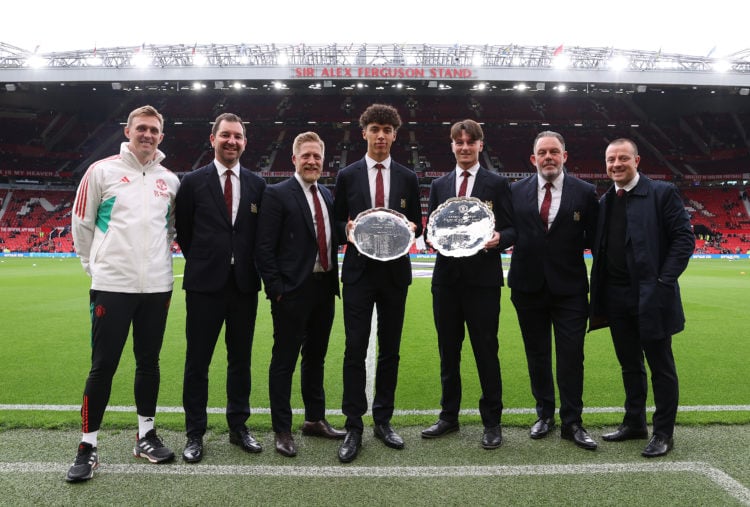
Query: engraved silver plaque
{"points": [[460, 226], [382, 234]]}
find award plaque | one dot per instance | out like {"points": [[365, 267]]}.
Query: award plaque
{"points": [[382, 234], [460, 226]]}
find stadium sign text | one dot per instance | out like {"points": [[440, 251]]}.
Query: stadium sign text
{"points": [[382, 72]]}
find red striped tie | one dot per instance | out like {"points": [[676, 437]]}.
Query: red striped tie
{"points": [[379, 189], [464, 184], [320, 228], [546, 202], [228, 192]]}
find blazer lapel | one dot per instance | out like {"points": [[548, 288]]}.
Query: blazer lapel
{"points": [[532, 197], [214, 186], [364, 186], [299, 196]]}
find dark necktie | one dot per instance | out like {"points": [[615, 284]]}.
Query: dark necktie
{"points": [[228, 192], [621, 192], [464, 184], [320, 227], [379, 189], [546, 202]]}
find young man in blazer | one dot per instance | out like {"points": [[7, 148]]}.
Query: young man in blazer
{"points": [[554, 214], [217, 214], [466, 290], [644, 241], [296, 252], [374, 181]]}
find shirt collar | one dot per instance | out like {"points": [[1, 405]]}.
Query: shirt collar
{"points": [[305, 185], [631, 184], [221, 168], [371, 162], [473, 170], [557, 182]]}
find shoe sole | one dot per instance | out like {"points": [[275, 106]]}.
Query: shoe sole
{"points": [[491, 447], [84, 478], [637, 437], [157, 461], [438, 435], [387, 443]]}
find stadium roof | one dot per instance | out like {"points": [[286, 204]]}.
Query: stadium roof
{"points": [[337, 65]]}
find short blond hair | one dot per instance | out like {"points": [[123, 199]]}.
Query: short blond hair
{"points": [[146, 111], [307, 137]]}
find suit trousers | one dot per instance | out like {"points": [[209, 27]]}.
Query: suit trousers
{"points": [[302, 320], [538, 314], [630, 348], [375, 288], [111, 316], [206, 314], [479, 309]]}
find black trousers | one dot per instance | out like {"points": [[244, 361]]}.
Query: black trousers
{"points": [[375, 289], [111, 316], [538, 314], [479, 309], [302, 321], [631, 347], [206, 314]]}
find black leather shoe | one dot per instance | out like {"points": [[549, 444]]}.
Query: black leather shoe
{"points": [[625, 432], [578, 435], [321, 429], [285, 444], [244, 439], [350, 446], [492, 437], [542, 427], [193, 452], [658, 446], [440, 428], [389, 437]]}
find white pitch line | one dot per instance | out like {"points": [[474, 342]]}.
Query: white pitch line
{"points": [[724, 481], [371, 361], [298, 411]]}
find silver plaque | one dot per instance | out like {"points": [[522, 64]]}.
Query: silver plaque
{"points": [[382, 234], [460, 226]]}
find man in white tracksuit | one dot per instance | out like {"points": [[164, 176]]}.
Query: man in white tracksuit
{"points": [[123, 227]]}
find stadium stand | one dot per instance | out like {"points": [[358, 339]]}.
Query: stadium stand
{"points": [[50, 134]]}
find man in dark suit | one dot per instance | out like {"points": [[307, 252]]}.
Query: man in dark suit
{"points": [[466, 290], [296, 252], [217, 213], [374, 181], [554, 214], [643, 244]]}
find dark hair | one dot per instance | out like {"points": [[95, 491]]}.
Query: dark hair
{"points": [[382, 114], [228, 117], [472, 129]]}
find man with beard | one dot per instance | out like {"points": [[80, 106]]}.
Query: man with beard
{"points": [[296, 254], [555, 217]]}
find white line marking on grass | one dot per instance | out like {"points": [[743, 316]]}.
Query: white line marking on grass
{"points": [[718, 477], [370, 360], [298, 411]]}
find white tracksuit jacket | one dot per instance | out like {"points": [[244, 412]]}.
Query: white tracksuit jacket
{"points": [[123, 224]]}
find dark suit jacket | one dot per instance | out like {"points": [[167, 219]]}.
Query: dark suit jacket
{"points": [[554, 256], [287, 245], [206, 235], [659, 242], [483, 268], [352, 196]]}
